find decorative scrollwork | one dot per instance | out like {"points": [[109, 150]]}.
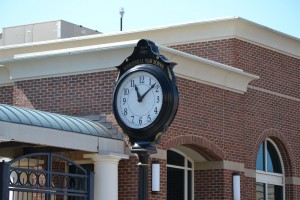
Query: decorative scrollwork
{"points": [[47, 173]]}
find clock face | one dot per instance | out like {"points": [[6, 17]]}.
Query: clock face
{"points": [[139, 99]]}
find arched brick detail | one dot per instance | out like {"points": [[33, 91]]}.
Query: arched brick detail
{"points": [[205, 147], [284, 149]]}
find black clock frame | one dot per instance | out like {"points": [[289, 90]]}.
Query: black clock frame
{"points": [[152, 132]]}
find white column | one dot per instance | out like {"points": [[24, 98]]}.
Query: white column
{"points": [[106, 175]]}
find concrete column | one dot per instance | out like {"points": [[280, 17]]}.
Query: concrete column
{"points": [[106, 175]]}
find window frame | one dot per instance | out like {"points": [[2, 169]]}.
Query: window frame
{"points": [[186, 170], [265, 177]]}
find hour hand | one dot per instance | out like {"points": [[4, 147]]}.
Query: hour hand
{"points": [[137, 92], [141, 97]]}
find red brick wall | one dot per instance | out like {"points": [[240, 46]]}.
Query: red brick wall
{"points": [[257, 112], [247, 118], [72, 95], [248, 188], [128, 179], [222, 51], [277, 72], [265, 112], [217, 184], [6, 94], [209, 184]]}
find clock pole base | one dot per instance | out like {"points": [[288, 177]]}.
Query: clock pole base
{"points": [[143, 150]]}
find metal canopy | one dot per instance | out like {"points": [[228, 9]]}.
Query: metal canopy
{"points": [[43, 119]]}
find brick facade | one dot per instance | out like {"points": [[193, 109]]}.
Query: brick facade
{"points": [[6, 94], [219, 124]]}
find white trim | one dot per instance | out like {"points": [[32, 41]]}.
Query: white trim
{"points": [[274, 93], [251, 173], [49, 137], [106, 157], [269, 178], [206, 30], [5, 77], [209, 72], [58, 138], [292, 180], [224, 164], [104, 57], [73, 51]]}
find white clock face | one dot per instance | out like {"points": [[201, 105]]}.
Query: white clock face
{"points": [[139, 99]]}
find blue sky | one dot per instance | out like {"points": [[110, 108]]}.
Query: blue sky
{"points": [[103, 15]]}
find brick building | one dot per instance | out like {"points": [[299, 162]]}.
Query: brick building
{"points": [[239, 85]]}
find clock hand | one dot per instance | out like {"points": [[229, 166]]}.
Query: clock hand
{"points": [[137, 92], [140, 99]]}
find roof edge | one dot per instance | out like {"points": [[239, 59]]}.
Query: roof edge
{"points": [[94, 58], [203, 30]]}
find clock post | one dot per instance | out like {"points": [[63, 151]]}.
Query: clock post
{"points": [[145, 102]]}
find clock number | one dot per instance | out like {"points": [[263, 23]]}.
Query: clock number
{"points": [[140, 120], [132, 83], [148, 118], [125, 111], [155, 110], [150, 81], [126, 91], [157, 87], [157, 99], [132, 117], [124, 101], [142, 79]]}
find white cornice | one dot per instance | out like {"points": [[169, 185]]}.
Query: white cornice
{"points": [[106, 56], [224, 28], [208, 72], [48, 137], [58, 138], [5, 77]]}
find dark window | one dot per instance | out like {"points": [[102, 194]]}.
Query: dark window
{"points": [[175, 184], [190, 164], [179, 176], [174, 158], [268, 160], [275, 192], [273, 160]]}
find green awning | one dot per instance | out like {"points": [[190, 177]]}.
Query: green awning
{"points": [[43, 119]]}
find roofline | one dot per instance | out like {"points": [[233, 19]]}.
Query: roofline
{"points": [[205, 30], [63, 40], [112, 46], [179, 25], [269, 29], [70, 51]]}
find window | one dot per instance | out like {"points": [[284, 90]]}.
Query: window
{"points": [[179, 176], [269, 173]]}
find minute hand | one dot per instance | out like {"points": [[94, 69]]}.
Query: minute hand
{"points": [[140, 99]]}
